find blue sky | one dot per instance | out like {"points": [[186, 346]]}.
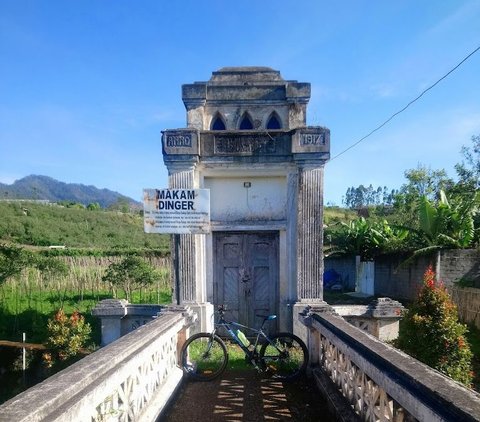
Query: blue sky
{"points": [[87, 86]]}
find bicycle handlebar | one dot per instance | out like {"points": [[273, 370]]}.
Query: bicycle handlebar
{"points": [[222, 309]]}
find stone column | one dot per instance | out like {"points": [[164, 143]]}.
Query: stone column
{"points": [[309, 254], [183, 245], [310, 233], [188, 269]]}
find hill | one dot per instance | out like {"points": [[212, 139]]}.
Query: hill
{"points": [[35, 224], [46, 188]]}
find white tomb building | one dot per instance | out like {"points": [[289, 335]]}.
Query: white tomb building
{"points": [[247, 141]]}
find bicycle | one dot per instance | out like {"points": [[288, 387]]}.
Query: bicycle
{"points": [[204, 355]]}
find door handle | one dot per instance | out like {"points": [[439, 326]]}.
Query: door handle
{"points": [[244, 275]]}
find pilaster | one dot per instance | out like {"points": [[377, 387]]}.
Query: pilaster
{"points": [[310, 232], [182, 176]]}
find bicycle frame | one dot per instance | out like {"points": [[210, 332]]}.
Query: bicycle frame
{"points": [[228, 325], [204, 355]]}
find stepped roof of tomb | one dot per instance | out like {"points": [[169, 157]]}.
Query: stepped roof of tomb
{"points": [[245, 83], [245, 75]]}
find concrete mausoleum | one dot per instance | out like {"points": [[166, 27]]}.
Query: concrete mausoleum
{"points": [[247, 141]]}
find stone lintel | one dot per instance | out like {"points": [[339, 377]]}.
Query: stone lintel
{"points": [[307, 145]]}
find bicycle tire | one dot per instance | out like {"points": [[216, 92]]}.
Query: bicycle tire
{"points": [[204, 357], [285, 356]]}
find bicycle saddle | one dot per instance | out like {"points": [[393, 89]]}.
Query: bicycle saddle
{"points": [[267, 317]]}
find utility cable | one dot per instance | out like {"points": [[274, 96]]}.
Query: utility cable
{"points": [[408, 105]]}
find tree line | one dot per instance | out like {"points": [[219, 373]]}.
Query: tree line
{"points": [[422, 181], [428, 212]]}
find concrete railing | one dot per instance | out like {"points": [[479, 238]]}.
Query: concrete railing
{"points": [[378, 381], [131, 379]]}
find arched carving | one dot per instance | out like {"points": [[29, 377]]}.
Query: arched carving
{"points": [[246, 122], [218, 123], [274, 121]]}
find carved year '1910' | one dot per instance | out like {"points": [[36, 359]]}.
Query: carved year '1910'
{"points": [[179, 141]]}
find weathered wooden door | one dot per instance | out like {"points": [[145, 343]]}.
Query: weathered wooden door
{"points": [[246, 274]]}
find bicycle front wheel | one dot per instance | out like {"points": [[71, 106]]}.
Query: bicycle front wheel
{"points": [[285, 356], [204, 357]]}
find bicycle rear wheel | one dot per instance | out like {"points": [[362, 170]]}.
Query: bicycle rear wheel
{"points": [[285, 356], [204, 357]]}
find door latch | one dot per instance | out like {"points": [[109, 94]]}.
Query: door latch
{"points": [[244, 275]]}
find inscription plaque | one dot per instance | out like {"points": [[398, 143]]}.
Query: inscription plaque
{"points": [[244, 145], [179, 141], [312, 139]]}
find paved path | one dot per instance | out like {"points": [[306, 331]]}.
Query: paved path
{"points": [[248, 397]]}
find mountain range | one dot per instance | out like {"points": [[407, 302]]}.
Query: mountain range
{"points": [[46, 188]]}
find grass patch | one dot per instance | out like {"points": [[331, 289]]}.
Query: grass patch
{"points": [[236, 357]]}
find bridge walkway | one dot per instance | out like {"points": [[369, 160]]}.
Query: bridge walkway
{"points": [[246, 395]]}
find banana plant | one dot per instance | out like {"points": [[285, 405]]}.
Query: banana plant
{"points": [[449, 223], [363, 237]]}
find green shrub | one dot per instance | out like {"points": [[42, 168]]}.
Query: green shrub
{"points": [[66, 336], [431, 332]]}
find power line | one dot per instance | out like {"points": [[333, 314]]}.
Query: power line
{"points": [[408, 105]]}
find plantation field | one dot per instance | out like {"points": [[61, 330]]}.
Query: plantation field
{"points": [[333, 215], [29, 223], [28, 301]]}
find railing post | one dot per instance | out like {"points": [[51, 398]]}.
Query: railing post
{"points": [[313, 338], [111, 312], [191, 318]]}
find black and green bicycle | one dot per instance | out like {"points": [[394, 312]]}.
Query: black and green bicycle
{"points": [[283, 356]]}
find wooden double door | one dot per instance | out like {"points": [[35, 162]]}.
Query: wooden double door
{"points": [[246, 275]]}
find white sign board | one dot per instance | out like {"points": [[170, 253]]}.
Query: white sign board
{"points": [[184, 211]]}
